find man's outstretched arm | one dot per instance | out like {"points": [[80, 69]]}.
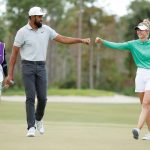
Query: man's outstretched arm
{"points": [[71, 40]]}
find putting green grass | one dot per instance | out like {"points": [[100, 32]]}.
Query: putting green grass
{"points": [[72, 127]]}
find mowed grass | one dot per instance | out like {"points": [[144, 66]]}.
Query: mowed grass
{"points": [[71, 126], [62, 92]]}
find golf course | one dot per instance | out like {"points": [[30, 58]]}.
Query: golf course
{"points": [[72, 126]]}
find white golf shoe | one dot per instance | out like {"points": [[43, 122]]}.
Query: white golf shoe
{"points": [[39, 126], [136, 132], [31, 132], [146, 137]]}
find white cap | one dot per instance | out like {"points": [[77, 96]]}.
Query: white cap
{"points": [[36, 11], [141, 26]]}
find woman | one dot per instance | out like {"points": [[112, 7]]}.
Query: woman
{"points": [[140, 50]]}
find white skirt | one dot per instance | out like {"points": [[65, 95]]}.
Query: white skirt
{"points": [[142, 80]]}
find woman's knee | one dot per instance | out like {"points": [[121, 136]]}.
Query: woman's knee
{"points": [[146, 104]]}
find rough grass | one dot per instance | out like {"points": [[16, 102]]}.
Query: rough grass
{"points": [[72, 127]]}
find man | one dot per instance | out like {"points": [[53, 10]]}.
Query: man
{"points": [[32, 42]]}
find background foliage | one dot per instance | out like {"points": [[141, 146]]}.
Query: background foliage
{"points": [[105, 68]]}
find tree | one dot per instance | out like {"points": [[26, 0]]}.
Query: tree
{"points": [[62, 64], [2, 30], [80, 4], [79, 46]]}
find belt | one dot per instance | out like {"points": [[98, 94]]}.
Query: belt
{"points": [[33, 62]]}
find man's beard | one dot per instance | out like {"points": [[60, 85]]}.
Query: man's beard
{"points": [[38, 24]]}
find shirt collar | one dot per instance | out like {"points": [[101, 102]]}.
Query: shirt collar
{"points": [[144, 42], [29, 27]]}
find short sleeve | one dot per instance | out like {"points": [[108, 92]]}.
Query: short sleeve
{"points": [[19, 40], [53, 33]]}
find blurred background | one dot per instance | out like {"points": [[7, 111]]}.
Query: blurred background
{"points": [[78, 66]]}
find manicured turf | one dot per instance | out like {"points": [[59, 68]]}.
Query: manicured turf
{"points": [[62, 92], [72, 127]]}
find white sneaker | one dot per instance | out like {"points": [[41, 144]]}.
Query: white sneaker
{"points": [[136, 132], [146, 137], [31, 132], [39, 126]]}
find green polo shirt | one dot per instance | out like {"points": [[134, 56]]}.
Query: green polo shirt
{"points": [[139, 50], [34, 43]]}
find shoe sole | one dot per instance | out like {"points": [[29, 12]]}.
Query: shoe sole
{"points": [[144, 138], [30, 135], [135, 134]]}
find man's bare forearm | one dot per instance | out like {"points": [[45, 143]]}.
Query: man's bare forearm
{"points": [[71, 40], [12, 60]]}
